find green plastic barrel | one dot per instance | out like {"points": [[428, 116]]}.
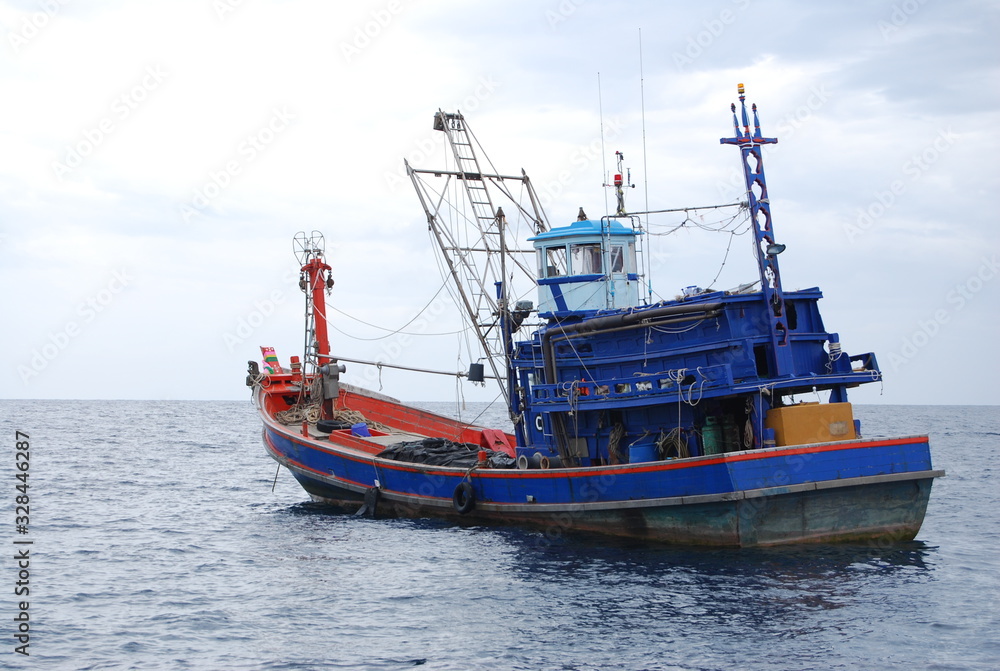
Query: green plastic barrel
{"points": [[711, 436]]}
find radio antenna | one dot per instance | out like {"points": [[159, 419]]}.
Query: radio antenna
{"points": [[642, 107], [604, 164]]}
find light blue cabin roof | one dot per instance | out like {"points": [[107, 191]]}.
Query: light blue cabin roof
{"points": [[585, 228]]}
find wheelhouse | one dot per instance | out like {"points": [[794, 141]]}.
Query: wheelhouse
{"points": [[588, 265]]}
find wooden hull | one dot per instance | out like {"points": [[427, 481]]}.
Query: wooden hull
{"points": [[883, 512], [849, 491]]}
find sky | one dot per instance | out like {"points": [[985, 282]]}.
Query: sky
{"points": [[156, 160]]}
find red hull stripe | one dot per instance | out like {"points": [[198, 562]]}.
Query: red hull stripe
{"points": [[654, 466], [299, 464], [331, 476]]}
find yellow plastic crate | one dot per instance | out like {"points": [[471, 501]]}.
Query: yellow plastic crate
{"points": [[811, 423]]}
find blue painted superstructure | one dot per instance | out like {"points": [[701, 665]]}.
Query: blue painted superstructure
{"points": [[588, 265], [675, 420]]}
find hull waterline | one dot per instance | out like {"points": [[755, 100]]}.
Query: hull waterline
{"points": [[676, 420], [787, 505]]}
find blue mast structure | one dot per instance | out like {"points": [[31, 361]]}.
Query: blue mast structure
{"points": [[766, 250]]}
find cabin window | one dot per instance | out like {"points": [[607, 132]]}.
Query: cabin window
{"points": [[554, 260], [791, 315], [617, 259], [586, 259]]}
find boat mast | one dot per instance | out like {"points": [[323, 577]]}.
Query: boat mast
{"points": [[765, 248], [315, 279], [619, 183], [480, 259]]}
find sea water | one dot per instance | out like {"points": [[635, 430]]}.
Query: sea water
{"points": [[161, 538]]}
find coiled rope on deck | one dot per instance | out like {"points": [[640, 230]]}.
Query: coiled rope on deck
{"points": [[311, 414]]}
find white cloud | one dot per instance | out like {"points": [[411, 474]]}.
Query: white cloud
{"points": [[362, 83]]}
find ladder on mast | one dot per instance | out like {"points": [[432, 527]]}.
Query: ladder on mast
{"points": [[467, 165], [486, 219], [479, 256]]}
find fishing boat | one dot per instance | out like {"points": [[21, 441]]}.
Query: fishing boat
{"points": [[674, 420]]}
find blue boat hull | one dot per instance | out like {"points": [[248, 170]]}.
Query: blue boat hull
{"points": [[886, 512], [859, 491]]}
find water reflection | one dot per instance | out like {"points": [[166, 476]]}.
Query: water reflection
{"points": [[754, 589]]}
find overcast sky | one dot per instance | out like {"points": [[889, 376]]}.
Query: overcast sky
{"points": [[157, 159]]}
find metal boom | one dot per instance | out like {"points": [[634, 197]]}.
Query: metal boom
{"points": [[472, 235]]}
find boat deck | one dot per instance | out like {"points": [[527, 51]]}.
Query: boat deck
{"points": [[394, 436]]}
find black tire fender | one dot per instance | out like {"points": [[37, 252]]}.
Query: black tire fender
{"points": [[331, 425], [464, 498], [370, 507]]}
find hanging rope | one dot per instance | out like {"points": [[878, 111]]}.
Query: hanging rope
{"points": [[614, 441], [671, 444]]}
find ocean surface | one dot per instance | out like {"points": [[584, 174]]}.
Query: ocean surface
{"points": [[162, 540]]}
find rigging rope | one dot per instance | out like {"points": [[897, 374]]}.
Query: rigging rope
{"points": [[392, 332], [687, 209]]}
